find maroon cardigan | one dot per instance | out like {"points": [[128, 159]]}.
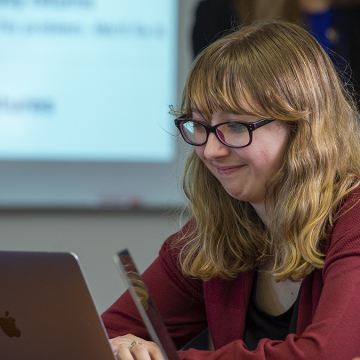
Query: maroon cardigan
{"points": [[328, 325]]}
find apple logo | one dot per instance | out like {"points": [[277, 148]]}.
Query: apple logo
{"points": [[8, 326]]}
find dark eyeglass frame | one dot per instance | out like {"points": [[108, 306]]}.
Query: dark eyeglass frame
{"points": [[251, 127]]}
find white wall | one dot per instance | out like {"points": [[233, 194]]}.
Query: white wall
{"points": [[96, 235]]}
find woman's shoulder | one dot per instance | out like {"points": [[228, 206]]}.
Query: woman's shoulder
{"points": [[170, 258], [175, 243], [349, 208], [172, 249], [344, 235]]}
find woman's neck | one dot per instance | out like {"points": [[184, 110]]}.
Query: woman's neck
{"points": [[262, 212]]}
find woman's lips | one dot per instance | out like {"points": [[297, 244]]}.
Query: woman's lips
{"points": [[228, 170]]}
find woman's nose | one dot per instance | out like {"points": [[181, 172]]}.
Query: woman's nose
{"points": [[214, 148]]}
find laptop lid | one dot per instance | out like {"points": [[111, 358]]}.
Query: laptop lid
{"points": [[145, 304], [46, 310]]}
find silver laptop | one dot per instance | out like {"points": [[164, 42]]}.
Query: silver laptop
{"points": [[146, 306], [46, 310]]}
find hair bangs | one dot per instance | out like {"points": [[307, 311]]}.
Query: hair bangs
{"points": [[215, 83], [220, 88], [222, 78]]}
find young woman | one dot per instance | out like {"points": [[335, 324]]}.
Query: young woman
{"points": [[270, 261]]}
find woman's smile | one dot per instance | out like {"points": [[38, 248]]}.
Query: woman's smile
{"points": [[228, 170]]}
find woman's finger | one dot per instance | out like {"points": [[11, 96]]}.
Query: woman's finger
{"points": [[126, 340], [128, 347], [140, 352], [141, 349], [154, 351], [123, 352]]}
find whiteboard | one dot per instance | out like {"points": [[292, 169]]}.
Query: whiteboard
{"points": [[84, 94]]}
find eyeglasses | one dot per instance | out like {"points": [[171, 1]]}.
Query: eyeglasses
{"points": [[234, 134]]}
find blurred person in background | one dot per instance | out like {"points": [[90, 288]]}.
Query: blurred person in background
{"points": [[335, 24]]}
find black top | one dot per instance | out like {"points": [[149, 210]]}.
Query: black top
{"points": [[260, 324]]}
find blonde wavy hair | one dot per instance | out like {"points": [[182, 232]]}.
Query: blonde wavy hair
{"points": [[274, 70]]}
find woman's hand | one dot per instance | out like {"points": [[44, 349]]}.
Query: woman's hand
{"points": [[144, 350]]}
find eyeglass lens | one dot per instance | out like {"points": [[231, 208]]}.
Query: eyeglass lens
{"points": [[233, 134]]}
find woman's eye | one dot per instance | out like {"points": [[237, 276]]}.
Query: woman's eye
{"points": [[236, 127], [198, 127]]}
